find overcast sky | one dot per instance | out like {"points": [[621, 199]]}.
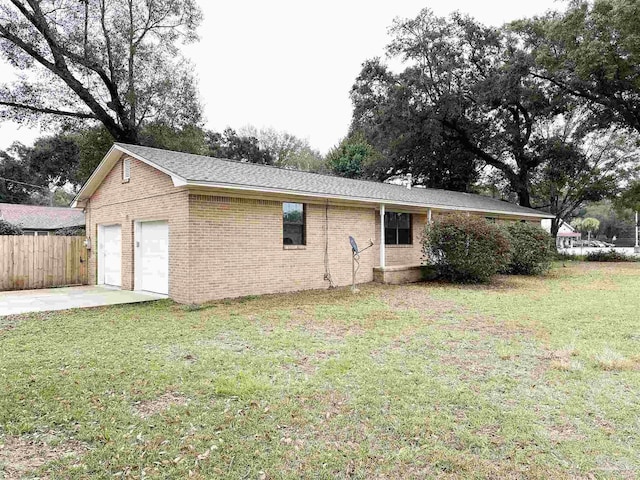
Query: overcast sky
{"points": [[289, 64]]}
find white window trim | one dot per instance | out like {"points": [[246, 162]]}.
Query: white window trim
{"points": [[126, 169]]}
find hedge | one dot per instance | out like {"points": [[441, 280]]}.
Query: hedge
{"points": [[466, 248]]}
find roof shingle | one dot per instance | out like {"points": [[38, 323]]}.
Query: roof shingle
{"points": [[36, 217], [198, 168]]}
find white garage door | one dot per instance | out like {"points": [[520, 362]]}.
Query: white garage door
{"points": [[153, 261], [111, 247]]}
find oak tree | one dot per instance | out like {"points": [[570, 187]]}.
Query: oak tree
{"points": [[110, 61]]}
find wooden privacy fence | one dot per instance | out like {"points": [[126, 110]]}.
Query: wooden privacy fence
{"points": [[40, 262]]}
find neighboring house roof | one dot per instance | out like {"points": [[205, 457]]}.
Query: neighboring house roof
{"points": [[564, 229], [35, 217], [198, 170], [569, 234]]}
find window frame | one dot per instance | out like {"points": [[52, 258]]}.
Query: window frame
{"points": [[126, 170], [304, 225], [397, 229]]}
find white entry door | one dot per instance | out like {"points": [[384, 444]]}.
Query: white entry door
{"points": [[153, 261], [111, 246]]}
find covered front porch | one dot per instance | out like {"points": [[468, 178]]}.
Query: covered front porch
{"points": [[399, 244]]}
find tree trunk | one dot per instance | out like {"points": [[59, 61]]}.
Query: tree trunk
{"points": [[555, 226], [128, 135], [524, 198]]}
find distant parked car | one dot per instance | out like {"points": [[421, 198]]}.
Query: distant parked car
{"points": [[593, 244], [600, 244]]}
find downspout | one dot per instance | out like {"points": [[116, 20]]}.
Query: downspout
{"points": [[637, 247], [382, 252]]}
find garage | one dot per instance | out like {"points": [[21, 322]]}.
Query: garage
{"points": [[110, 255], [152, 257]]}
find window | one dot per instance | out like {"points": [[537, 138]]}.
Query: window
{"points": [[491, 219], [126, 169], [397, 228], [294, 220]]}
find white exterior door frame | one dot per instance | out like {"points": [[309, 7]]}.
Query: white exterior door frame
{"points": [[139, 267], [102, 253]]}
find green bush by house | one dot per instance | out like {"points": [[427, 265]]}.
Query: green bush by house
{"points": [[466, 248], [531, 249]]}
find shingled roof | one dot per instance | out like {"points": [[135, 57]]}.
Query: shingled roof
{"points": [[198, 170], [35, 217]]}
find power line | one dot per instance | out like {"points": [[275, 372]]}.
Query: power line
{"points": [[24, 183]]}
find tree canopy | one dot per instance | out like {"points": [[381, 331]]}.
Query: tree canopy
{"points": [[464, 100], [591, 51], [630, 197], [469, 110], [286, 149], [113, 62], [354, 157]]}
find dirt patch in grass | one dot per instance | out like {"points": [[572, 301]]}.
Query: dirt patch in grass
{"points": [[20, 456], [225, 341], [416, 297], [473, 365], [330, 328], [8, 323], [148, 408], [309, 364], [610, 360], [563, 432], [258, 305], [489, 326]]}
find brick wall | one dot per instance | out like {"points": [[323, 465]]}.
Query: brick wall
{"points": [[236, 247], [149, 195]]}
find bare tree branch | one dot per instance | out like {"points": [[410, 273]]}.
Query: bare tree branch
{"points": [[50, 111]]}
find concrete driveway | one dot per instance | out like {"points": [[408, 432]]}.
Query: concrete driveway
{"points": [[26, 301]]}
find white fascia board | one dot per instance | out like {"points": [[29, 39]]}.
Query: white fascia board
{"points": [[376, 201], [178, 181], [174, 177], [93, 178]]}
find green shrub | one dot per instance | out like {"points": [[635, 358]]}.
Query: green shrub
{"points": [[608, 256], [568, 257], [7, 228], [466, 248], [531, 249], [71, 232]]}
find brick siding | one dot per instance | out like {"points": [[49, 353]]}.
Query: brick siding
{"points": [[236, 247]]}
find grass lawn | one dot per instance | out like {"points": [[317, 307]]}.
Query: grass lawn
{"points": [[524, 378]]}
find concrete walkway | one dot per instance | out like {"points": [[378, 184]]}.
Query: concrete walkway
{"points": [[26, 301]]}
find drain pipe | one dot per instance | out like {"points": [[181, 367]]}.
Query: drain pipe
{"points": [[637, 247]]}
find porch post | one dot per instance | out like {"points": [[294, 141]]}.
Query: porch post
{"points": [[382, 252], [429, 217], [637, 247]]}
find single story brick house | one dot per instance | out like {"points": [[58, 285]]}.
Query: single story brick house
{"points": [[198, 228], [40, 220]]}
